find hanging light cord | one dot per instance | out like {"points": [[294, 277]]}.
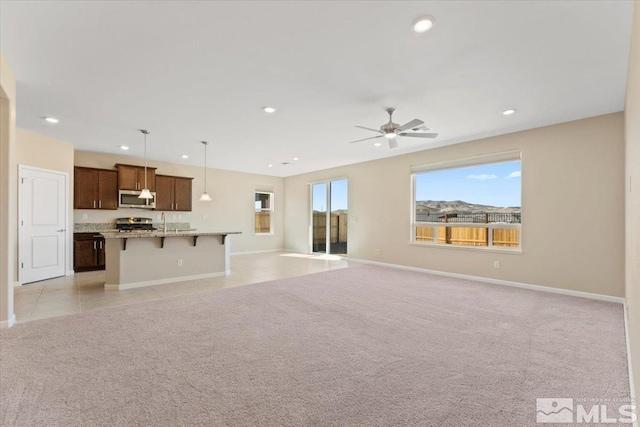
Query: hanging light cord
{"points": [[205, 166], [145, 159]]}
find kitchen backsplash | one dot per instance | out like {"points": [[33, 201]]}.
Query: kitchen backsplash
{"points": [[94, 227]]}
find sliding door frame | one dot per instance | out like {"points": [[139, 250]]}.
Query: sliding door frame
{"points": [[327, 236]]}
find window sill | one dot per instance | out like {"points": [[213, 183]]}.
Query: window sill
{"points": [[515, 251], [263, 234]]}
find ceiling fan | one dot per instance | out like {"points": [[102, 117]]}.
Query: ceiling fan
{"points": [[392, 130]]}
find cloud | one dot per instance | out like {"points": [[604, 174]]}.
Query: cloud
{"points": [[482, 177], [516, 174]]}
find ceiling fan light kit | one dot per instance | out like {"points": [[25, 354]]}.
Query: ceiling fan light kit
{"points": [[392, 130]]}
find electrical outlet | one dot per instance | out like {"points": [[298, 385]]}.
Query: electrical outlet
{"points": [[85, 216], [179, 216], [377, 251], [159, 216], [354, 219], [496, 264], [204, 217], [175, 216], [180, 263]]}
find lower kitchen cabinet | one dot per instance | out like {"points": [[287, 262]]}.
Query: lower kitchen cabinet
{"points": [[88, 252]]}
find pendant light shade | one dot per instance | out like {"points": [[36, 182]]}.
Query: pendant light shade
{"points": [[205, 196], [145, 193]]}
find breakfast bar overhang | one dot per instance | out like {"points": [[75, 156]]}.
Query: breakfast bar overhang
{"points": [[135, 260]]}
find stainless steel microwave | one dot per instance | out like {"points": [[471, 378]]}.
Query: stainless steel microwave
{"points": [[130, 199]]}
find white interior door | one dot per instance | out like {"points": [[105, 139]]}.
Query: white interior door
{"points": [[43, 237]]}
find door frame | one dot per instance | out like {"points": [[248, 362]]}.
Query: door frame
{"points": [[69, 230], [310, 185]]}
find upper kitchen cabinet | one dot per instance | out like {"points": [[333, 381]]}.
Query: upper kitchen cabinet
{"points": [[95, 188], [131, 177], [173, 193]]}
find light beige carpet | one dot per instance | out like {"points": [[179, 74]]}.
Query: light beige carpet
{"points": [[363, 346]]}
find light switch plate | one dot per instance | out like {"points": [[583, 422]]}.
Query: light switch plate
{"points": [[85, 216]]}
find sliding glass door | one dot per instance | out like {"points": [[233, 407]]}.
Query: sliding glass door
{"points": [[329, 217]]}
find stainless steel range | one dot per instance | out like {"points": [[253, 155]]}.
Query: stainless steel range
{"points": [[134, 224]]}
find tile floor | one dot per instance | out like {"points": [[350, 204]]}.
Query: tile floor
{"points": [[85, 291]]}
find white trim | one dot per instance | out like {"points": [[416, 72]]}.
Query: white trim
{"points": [[8, 323], [632, 387], [599, 297], [256, 252], [70, 272], [118, 287], [17, 284], [499, 249], [499, 157]]}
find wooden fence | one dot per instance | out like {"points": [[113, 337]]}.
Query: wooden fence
{"points": [[339, 222], [263, 222], [470, 236]]}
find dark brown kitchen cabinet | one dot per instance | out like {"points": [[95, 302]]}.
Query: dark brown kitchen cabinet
{"points": [[131, 177], [95, 188], [173, 193], [88, 252]]}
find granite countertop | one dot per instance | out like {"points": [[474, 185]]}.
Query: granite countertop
{"points": [[171, 233]]}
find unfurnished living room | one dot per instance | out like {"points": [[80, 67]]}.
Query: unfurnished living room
{"points": [[319, 213]]}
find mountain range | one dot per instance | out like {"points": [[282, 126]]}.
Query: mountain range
{"points": [[459, 206]]}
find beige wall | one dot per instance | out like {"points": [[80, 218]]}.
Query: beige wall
{"points": [[572, 199], [8, 185], [632, 169], [232, 208], [34, 149]]}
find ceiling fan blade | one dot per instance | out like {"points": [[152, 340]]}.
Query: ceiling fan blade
{"points": [[374, 130], [373, 137], [393, 143], [420, 135], [410, 125]]}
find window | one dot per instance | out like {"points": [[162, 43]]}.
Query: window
{"points": [[472, 202], [264, 211]]}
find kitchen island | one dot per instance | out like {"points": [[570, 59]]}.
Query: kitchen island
{"points": [[146, 258]]}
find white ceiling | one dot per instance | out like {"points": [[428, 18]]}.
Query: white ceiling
{"points": [[190, 71]]}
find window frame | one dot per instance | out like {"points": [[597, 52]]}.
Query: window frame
{"points": [[507, 156], [270, 209]]}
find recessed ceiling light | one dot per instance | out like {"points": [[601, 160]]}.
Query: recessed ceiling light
{"points": [[124, 147], [184, 156], [269, 110], [51, 120], [296, 158], [423, 24], [270, 166], [377, 144], [509, 111]]}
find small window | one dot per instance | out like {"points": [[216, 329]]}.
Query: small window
{"points": [[472, 203], [264, 213]]}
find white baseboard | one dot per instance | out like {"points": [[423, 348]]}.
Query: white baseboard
{"points": [[632, 394], [8, 323], [17, 284], [599, 297], [118, 287], [70, 272], [257, 252]]}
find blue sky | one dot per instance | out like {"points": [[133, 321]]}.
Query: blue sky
{"points": [[496, 184], [338, 196]]}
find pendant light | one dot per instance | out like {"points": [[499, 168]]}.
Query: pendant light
{"points": [[145, 193], [205, 196]]}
